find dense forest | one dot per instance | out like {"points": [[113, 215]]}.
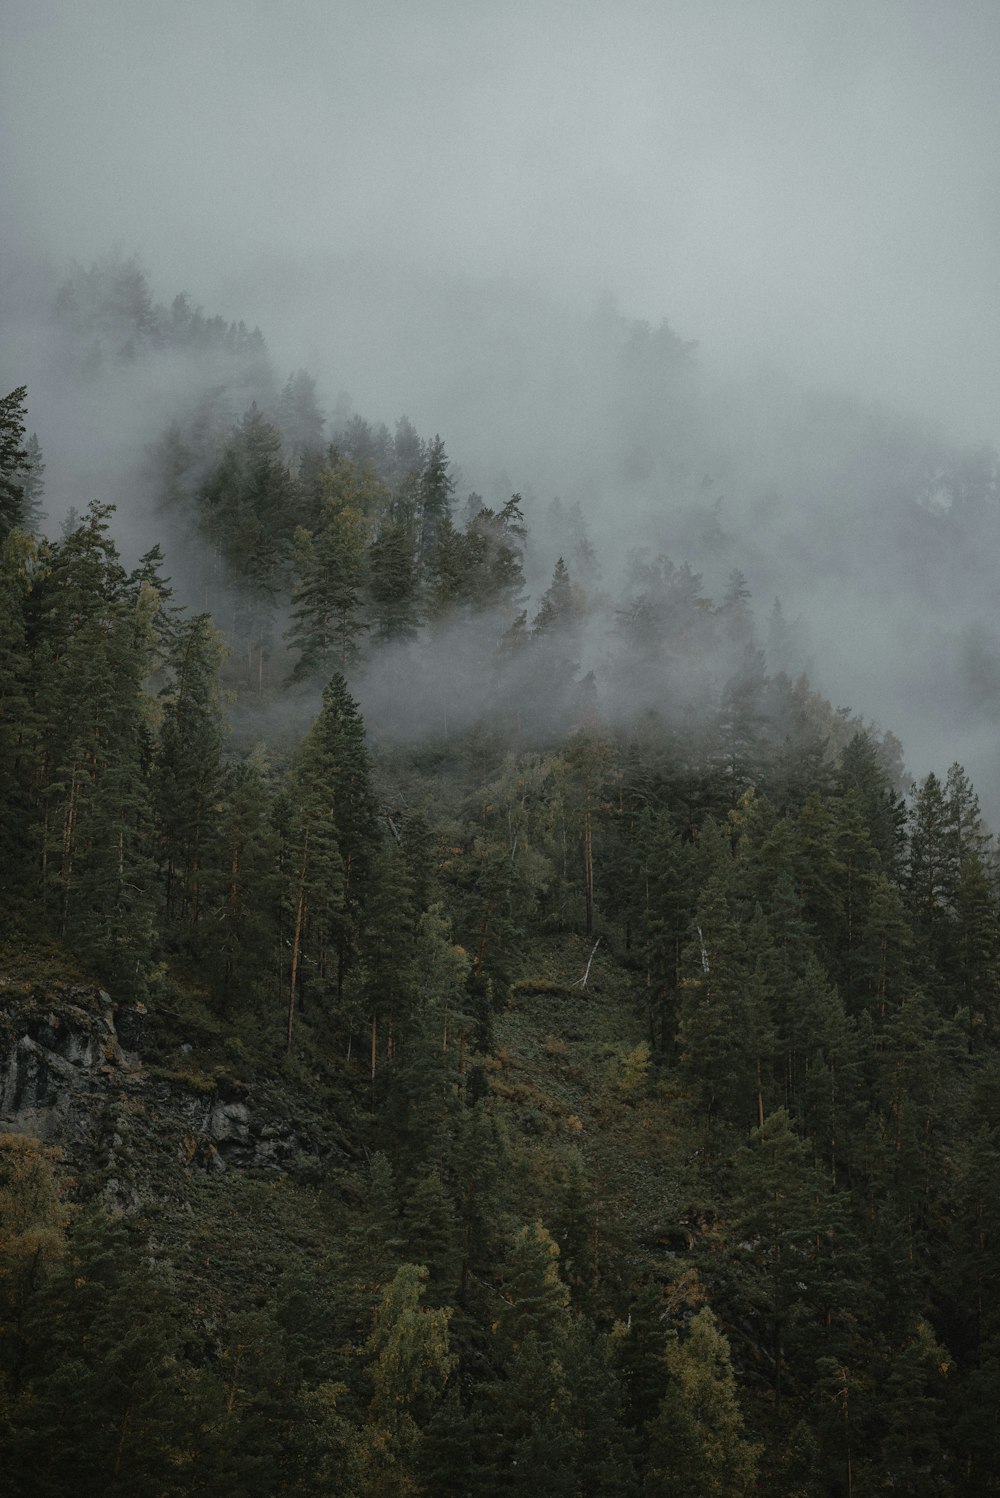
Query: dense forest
{"points": [[584, 1079]]}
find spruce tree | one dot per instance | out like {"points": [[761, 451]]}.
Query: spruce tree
{"points": [[791, 1256], [436, 489], [662, 913], [189, 769], [96, 645], [107, 1407], [243, 885], [32, 486], [299, 416], [535, 1298], [330, 569], [862, 769], [393, 576], [14, 462], [430, 1234], [724, 1029], [929, 872], [21, 560], [331, 844]]}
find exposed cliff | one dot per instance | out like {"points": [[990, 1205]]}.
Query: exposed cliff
{"points": [[73, 1073]]}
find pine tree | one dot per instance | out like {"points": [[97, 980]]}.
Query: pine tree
{"points": [[316, 893], [407, 449], [915, 1411], [426, 1079], [480, 1159], [148, 574], [189, 768], [14, 462], [575, 1219], [96, 645], [389, 954], [528, 1442], [740, 731], [909, 1160], [436, 489], [330, 569], [603, 1462], [248, 510], [972, 897], [450, 582], [782, 652], [560, 608], [862, 770], [21, 560], [791, 1255], [481, 567], [242, 888], [535, 1298], [33, 1221], [372, 1248], [824, 1069], [979, 946], [106, 1406], [32, 486], [929, 874], [332, 838], [393, 577], [858, 867], [299, 416], [663, 915], [725, 1027], [968, 836], [430, 1232]]}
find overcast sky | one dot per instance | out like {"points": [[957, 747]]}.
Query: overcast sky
{"points": [[812, 184]]}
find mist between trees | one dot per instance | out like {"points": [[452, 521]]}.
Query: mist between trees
{"points": [[627, 1013]]}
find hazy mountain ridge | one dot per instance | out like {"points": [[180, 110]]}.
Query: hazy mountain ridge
{"points": [[608, 1014]]}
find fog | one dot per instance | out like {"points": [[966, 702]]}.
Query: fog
{"points": [[454, 211]]}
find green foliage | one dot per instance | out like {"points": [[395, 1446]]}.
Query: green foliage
{"points": [[189, 768], [87, 750], [15, 464], [632, 1126], [408, 1365], [242, 885], [331, 836], [697, 1441], [394, 578], [330, 569]]}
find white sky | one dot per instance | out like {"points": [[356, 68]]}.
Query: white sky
{"points": [[807, 183]]}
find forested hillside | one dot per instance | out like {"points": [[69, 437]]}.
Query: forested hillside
{"points": [[473, 1021]]}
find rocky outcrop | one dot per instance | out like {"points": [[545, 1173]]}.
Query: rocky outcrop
{"points": [[71, 1073], [61, 1060]]}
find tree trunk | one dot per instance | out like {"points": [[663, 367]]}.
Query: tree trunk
{"points": [[123, 1431], [481, 953], [588, 873], [300, 910], [196, 866], [68, 848]]}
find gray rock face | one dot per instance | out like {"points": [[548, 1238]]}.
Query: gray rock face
{"points": [[58, 1057], [34, 1077], [71, 1074], [230, 1121]]}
